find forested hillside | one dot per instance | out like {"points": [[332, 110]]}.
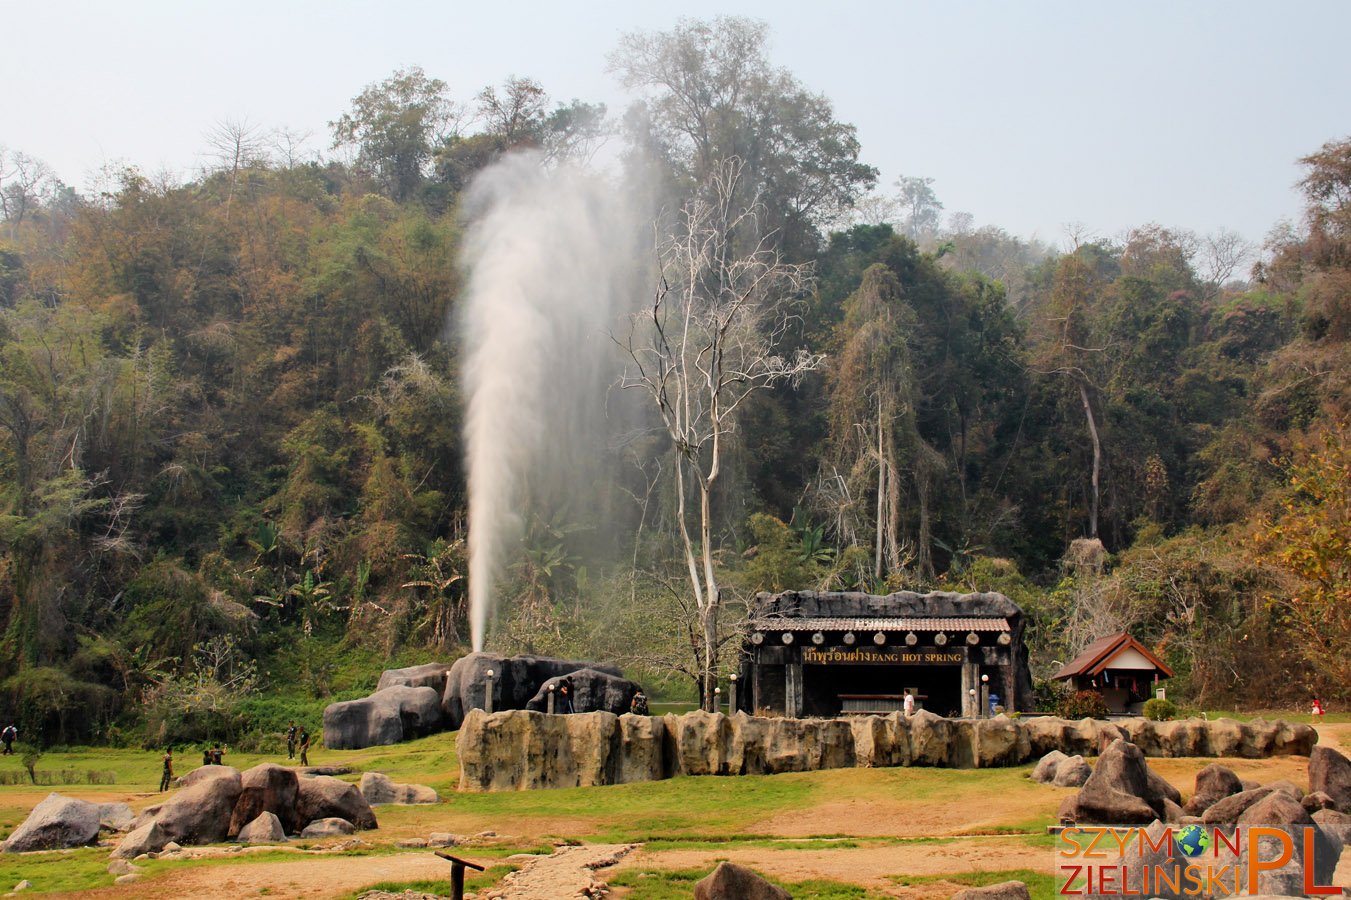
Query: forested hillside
{"points": [[231, 474]]}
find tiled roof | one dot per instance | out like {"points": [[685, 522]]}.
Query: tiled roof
{"points": [[810, 624], [1098, 654]]}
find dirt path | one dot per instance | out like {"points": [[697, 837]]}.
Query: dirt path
{"points": [[570, 872]]}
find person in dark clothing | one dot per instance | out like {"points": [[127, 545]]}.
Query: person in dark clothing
{"points": [[9, 736], [565, 695], [217, 756], [206, 756], [639, 705], [291, 741], [168, 769], [304, 747]]}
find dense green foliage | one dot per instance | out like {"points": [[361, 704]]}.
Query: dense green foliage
{"points": [[1159, 710], [230, 453]]}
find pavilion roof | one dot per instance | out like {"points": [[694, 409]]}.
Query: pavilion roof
{"points": [[1098, 657]]}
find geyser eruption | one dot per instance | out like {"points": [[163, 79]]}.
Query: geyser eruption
{"points": [[548, 254]]}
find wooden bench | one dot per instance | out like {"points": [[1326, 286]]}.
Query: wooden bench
{"points": [[876, 704]]}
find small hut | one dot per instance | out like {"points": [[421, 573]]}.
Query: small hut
{"points": [[1118, 667]]}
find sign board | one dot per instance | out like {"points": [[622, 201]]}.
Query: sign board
{"points": [[881, 656]]}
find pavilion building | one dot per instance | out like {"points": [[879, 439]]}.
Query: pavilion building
{"points": [[822, 654], [1118, 667]]}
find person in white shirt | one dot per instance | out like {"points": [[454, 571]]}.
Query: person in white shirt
{"points": [[909, 703]]}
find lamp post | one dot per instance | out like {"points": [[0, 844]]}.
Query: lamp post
{"points": [[550, 701], [717, 699], [731, 694], [972, 694], [985, 696], [488, 693]]}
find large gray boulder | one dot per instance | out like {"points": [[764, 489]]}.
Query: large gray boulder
{"points": [[386, 717], [116, 817], [1228, 810], [55, 823], [323, 797], [592, 691], [1119, 791], [202, 773], [266, 788], [330, 827], [1072, 772], [431, 675], [200, 814], [516, 680], [1330, 772], [1213, 784], [265, 829], [379, 789], [1044, 773], [730, 881], [147, 838]]}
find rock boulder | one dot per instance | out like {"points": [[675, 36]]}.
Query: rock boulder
{"points": [[730, 881], [1213, 783], [265, 829], [1004, 890], [1118, 792], [516, 680], [379, 789], [386, 717], [322, 797], [1330, 772], [200, 814], [1044, 773], [1072, 772], [430, 675], [55, 823], [266, 788], [593, 691], [330, 827], [148, 838]]}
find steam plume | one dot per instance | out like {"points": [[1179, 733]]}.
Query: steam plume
{"points": [[547, 253]]}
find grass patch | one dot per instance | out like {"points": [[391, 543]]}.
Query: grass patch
{"points": [[473, 881]]}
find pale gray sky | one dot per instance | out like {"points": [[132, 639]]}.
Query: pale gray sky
{"points": [[1028, 115]]}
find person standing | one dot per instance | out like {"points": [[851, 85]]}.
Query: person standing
{"points": [[168, 769], [639, 705], [304, 747], [909, 703], [291, 741], [565, 695], [9, 736], [1318, 712]]}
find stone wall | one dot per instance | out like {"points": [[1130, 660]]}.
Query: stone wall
{"points": [[522, 749]]}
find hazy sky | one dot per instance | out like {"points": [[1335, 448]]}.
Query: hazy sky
{"points": [[1028, 115]]}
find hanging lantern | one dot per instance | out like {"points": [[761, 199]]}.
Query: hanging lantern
{"points": [[1004, 639], [972, 638], [879, 639], [757, 639], [849, 638], [940, 639], [818, 639], [788, 637], [911, 639]]}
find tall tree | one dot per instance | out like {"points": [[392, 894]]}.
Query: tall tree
{"points": [[395, 125], [710, 95], [711, 338]]}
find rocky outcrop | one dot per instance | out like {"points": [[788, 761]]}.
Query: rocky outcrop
{"points": [[202, 773], [265, 829], [330, 827], [55, 823], [1228, 810], [1119, 791], [116, 817], [322, 797], [147, 838], [388, 716], [379, 789], [200, 814], [429, 675], [521, 749], [1330, 773], [730, 881], [1044, 773], [266, 788], [1073, 772], [515, 682], [592, 691], [1213, 784]]}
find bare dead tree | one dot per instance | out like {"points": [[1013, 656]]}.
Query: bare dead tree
{"points": [[707, 342]]}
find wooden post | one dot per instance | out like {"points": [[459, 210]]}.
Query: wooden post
{"points": [[457, 867], [488, 694]]}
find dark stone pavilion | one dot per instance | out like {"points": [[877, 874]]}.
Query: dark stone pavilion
{"points": [[821, 654]]}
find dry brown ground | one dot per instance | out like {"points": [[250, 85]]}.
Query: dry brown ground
{"points": [[952, 811]]}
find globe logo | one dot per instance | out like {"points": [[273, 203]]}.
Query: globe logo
{"points": [[1193, 840]]}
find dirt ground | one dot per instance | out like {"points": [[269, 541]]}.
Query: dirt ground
{"points": [[958, 815]]}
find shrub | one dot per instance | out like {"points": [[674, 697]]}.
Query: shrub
{"points": [[1082, 705], [1160, 710]]}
